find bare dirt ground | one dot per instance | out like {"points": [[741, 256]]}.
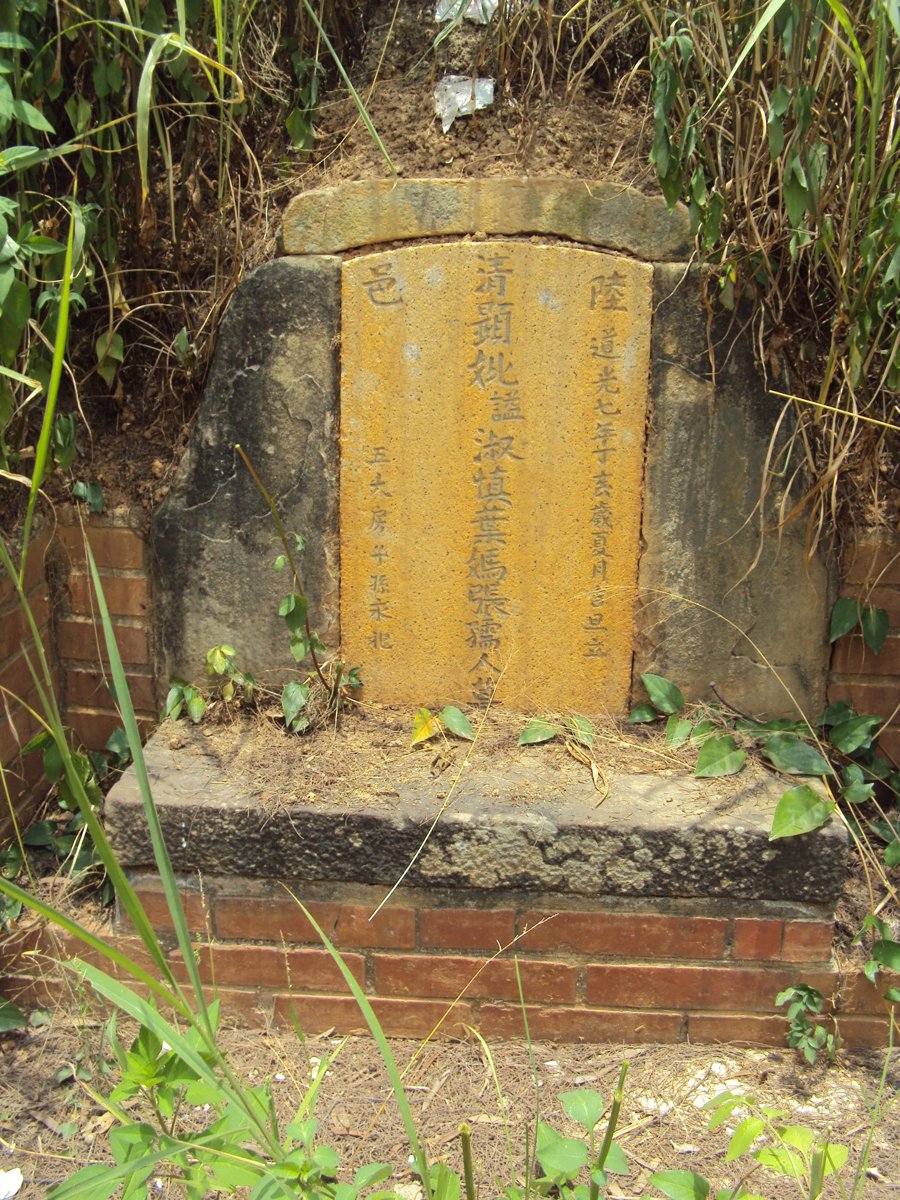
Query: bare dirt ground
{"points": [[49, 1128]]}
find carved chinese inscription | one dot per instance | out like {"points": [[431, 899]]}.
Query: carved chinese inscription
{"points": [[493, 405]]}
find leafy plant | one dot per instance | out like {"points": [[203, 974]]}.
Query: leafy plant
{"points": [[775, 125], [578, 737], [449, 720], [804, 1002], [849, 614], [795, 1152]]}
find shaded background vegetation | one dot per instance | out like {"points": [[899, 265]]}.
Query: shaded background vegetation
{"points": [[172, 133]]}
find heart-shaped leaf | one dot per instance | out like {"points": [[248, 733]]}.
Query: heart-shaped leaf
{"points": [[791, 754], [666, 697], [719, 756], [798, 811], [425, 726], [538, 731], [457, 722]]}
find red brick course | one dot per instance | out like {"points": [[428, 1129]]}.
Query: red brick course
{"points": [[276, 920], [439, 976], [637, 936], [466, 928]]}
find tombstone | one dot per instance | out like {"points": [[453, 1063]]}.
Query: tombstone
{"points": [[489, 408]]}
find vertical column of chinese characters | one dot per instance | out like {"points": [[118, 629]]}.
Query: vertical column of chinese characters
{"points": [[382, 291], [607, 295], [378, 591], [493, 375]]}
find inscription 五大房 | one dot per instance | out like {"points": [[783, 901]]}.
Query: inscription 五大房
{"points": [[378, 591], [493, 410]]}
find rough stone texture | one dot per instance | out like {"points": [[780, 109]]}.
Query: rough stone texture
{"points": [[273, 390], [494, 399], [380, 210], [706, 456], [659, 836]]}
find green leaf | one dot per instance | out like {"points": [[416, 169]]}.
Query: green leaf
{"points": [[791, 754], [798, 811], [743, 1137], [886, 953], [874, 623], [783, 1160], [855, 734], [719, 756], [678, 730], [892, 853], [368, 1176], [616, 1160], [90, 494], [663, 694], [196, 707], [642, 714], [538, 731], [560, 1157], [293, 609], [585, 1106], [857, 793], [581, 729], [294, 698], [39, 835], [680, 1185], [110, 350], [844, 617], [702, 731], [28, 115], [11, 1017], [457, 722]]}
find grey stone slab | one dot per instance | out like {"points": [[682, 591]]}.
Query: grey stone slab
{"points": [[592, 212], [272, 389], [671, 836], [703, 619]]}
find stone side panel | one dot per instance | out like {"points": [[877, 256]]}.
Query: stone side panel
{"points": [[704, 619], [273, 390]]}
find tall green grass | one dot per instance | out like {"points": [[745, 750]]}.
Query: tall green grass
{"points": [[779, 127]]}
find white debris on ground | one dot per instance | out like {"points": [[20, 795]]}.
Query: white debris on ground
{"points": [[479, 11], [460, 96], [10, 1183]]}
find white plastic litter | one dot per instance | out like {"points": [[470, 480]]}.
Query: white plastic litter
{"points": [[479, 11], [460, 96], [10, 1183]]}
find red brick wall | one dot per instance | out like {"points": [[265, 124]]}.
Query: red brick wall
{"points": [[871, 574], [596, 972], [59, 591], [120, 552], [17, 689]]}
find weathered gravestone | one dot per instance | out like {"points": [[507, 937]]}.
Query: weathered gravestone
{"points": [[507, 453]]}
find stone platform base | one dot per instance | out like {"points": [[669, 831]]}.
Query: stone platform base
{"points": [[664, 915]]}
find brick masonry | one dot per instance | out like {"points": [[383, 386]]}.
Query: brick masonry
{"points": [[592, 972], [57, 583], [870, 572], [427, 964]]}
